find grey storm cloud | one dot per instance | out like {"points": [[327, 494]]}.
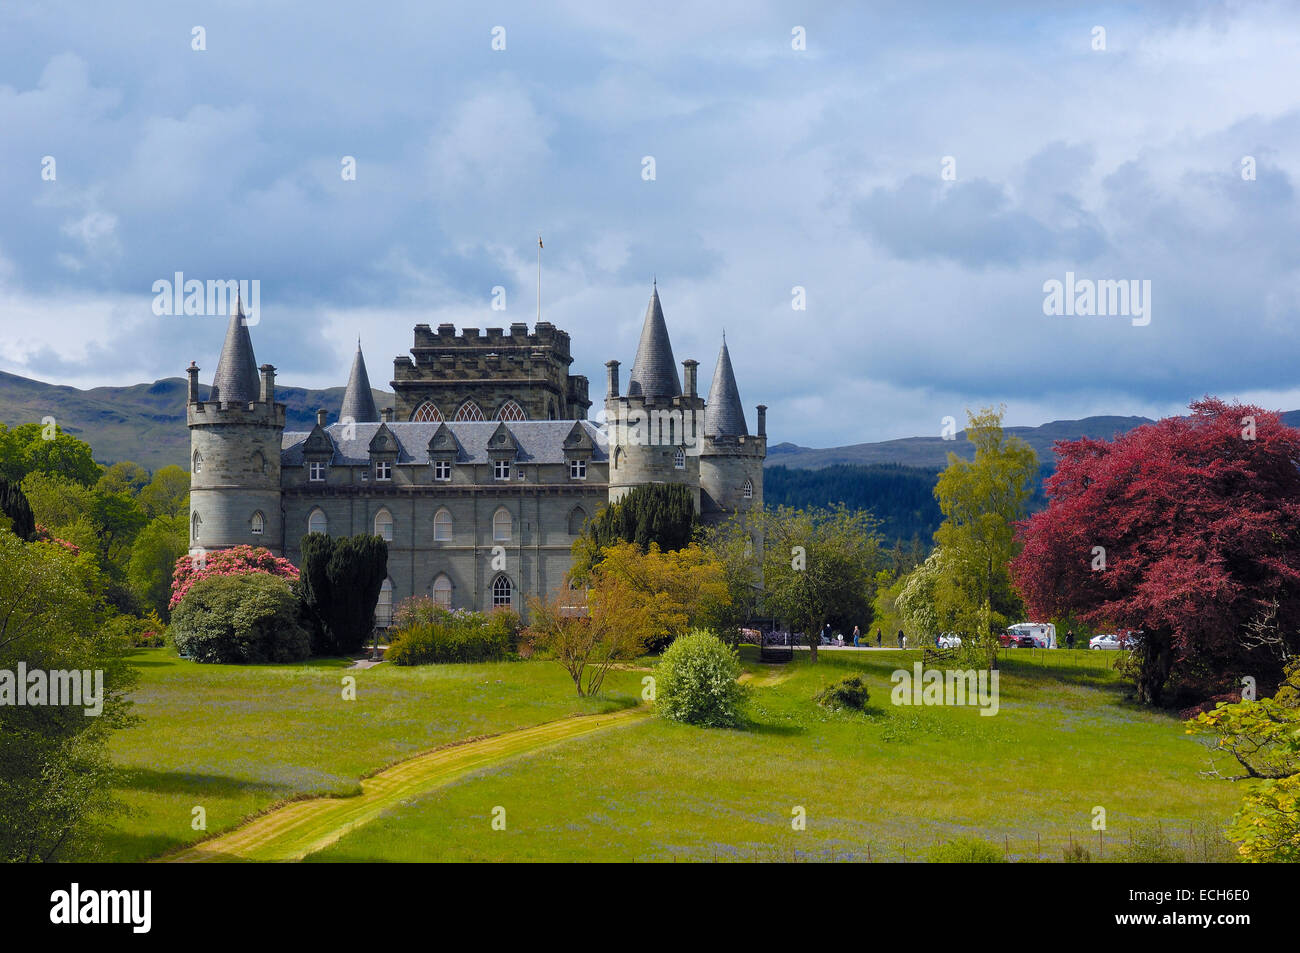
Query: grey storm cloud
{"points": [[775, 170]]}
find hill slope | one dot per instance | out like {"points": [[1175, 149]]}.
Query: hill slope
{"points": [[143, 422]]}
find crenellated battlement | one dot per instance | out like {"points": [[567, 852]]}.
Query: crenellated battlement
{"points": [[221, 412], [447, 368]]}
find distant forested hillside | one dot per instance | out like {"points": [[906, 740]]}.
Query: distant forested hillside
{"points": [[901, 497]]}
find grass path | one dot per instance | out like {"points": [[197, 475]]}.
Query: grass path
{"points": [[303, 827]]}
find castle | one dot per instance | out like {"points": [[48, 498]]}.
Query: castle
{"points": [[483, 472]]}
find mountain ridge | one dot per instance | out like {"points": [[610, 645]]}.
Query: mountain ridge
{"points": [[146, 423]]}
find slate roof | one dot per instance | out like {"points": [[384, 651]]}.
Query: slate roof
{"points": [[654, 373], [358, 401], [539, 441], [723, 413], [236, 378]]}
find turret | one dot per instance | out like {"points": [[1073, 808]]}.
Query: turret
{"points": [[235, 439], [358, 400], [731, 460], [655, 428]]}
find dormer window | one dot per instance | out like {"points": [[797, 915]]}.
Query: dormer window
{"points": [[501, 469], [577, 469], [442, 470], [316, 471], [383, 470]]}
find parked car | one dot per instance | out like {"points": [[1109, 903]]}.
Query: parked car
{"points": [[1114, 641], [949, 640]]}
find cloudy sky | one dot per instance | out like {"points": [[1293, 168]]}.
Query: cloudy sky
{"points": [[774, 168]]}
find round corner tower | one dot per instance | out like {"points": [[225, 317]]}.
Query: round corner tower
{"points": [[656, 428], [235, 439]]}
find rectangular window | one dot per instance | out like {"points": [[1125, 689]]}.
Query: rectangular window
{"points": [[442, 470], [501, 469], [577, 469], [383, 470], [317, 472]]}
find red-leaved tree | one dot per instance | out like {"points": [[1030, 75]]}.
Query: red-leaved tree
{"points": [[1198, 523]]}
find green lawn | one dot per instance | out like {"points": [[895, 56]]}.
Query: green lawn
{"points": [[236, 739], [886, 785]]}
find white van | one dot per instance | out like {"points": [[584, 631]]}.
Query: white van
{"points": [[1039, 635]]}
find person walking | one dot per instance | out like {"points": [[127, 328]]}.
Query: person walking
{"points": [[900, 638], [856, 635], [1069, 639], [877, 638]]}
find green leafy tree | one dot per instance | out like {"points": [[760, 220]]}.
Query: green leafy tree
{"points": [[1263, 736], [124, 477], [820, 567], [981, 501], [167, 494], [55, 772], [119, 518], [60, 455], [164, 540], [917, 601]]}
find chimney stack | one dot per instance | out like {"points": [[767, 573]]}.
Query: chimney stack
{"points": [[611, 379], [689, 366], [762, 420], [321, 416], [193, 371], [268, 384], [386, 415]]}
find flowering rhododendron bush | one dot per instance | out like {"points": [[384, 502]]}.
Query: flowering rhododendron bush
{"points": [[1187, 529], [235, 561]]}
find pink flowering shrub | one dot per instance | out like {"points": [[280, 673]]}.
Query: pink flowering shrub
{"points": [[236, 561]]}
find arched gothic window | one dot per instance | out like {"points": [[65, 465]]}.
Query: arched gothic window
{"points": [[511, 411], [577, 520], [469, 411], [502, 592], [426, 412]]}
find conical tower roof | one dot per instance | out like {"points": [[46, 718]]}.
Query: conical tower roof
{"points": [[236, 377], [358, 401], [723, 414], [654, 373]]}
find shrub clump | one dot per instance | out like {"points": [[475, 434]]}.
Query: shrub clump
{"points": [[696, 682], [966, 850], [235, 561], [424, 633], [849, 692], [240, 618]]}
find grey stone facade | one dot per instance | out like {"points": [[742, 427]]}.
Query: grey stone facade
{"points": [[477, 513]]}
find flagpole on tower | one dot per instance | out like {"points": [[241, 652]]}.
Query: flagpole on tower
{"points": [[539, 276]]}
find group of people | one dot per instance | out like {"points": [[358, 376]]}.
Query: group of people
{"points": [[858, 640]]}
